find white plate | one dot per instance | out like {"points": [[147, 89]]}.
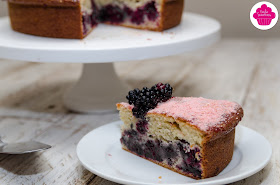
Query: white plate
{"points": [[101, 153]]}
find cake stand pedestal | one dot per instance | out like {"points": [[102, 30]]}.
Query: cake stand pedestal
{"points": [[99, 88]]}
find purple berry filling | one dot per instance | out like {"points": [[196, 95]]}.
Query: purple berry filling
{"points": [[116, 15], [128, 11], [148, 10], [137, 16], [151, 11], [142, 126], [112, 14], [190, 162], [90, 20], [160, 151]]}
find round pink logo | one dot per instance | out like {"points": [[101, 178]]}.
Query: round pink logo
{"points": [[264, 15]]}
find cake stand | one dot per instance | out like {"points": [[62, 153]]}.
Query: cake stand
{"points": [[99, 88]]}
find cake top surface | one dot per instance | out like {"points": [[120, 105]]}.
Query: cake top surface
{"points": [[205, 114]]}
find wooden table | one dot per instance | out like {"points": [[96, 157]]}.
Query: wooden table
{"points": [[242, 70]]}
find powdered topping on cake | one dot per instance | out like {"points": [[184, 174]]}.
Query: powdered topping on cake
{"points": [[126, 105], [205, 114]]}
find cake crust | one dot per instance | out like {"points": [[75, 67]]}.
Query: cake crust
{"points": [[47, 22], [47, 17], [171, 14], [217, 154]]}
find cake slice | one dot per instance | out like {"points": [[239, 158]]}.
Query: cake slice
{"points": [[191, 136], [77, 18]]}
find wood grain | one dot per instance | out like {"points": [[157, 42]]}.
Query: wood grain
{"points": [[31, 107]]}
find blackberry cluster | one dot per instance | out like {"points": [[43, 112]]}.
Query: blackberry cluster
{"points": [[148, 98]]}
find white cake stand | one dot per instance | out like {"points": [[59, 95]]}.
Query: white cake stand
{"points": [[99, 88]]}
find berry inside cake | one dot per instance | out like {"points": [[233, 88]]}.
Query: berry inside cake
{"points": [[75, 19], [191, 136]]}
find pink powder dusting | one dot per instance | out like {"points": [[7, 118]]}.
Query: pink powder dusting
{"points": [[126, 105], [200, 112]]}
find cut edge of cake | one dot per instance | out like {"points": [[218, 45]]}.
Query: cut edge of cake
{"points": [[76, 19], [213, 149]]}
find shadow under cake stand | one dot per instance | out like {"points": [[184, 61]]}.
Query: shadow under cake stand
{"points": [[99, 88]]}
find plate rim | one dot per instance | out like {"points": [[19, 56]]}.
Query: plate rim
{"points": [[204, 182]]}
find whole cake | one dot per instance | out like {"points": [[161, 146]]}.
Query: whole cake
{"points": [[191, 136], [76, 18]]}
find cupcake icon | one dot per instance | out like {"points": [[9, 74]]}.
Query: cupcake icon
{"points": [[264, 15]]}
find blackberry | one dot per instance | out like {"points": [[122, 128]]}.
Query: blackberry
{"points": [[148, 98]]}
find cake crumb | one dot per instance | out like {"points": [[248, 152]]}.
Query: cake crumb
{"points": [[160, 179]]}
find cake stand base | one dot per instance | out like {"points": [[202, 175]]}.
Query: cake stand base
{"points": [[96, 92]]}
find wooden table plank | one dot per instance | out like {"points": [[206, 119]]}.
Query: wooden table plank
{"points": [[262, 108], [27, 79], [99, 180], [225, 73], [7, 67], [167, 69], [60, 164]]}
